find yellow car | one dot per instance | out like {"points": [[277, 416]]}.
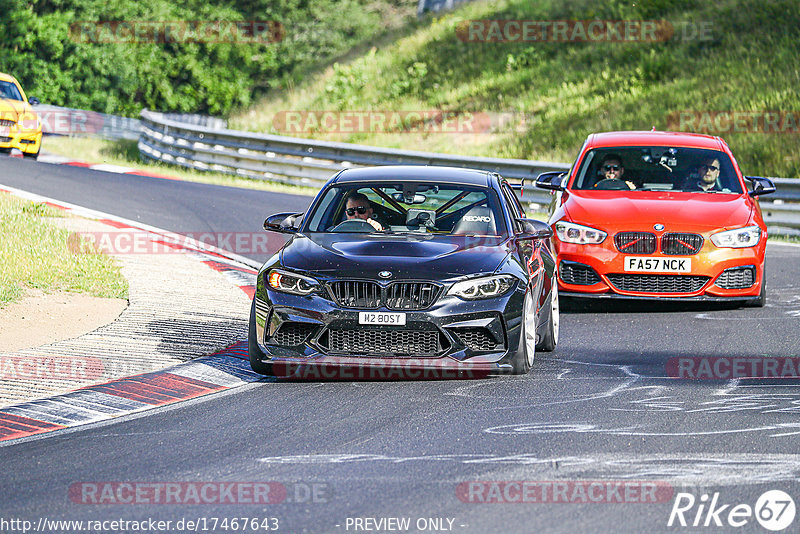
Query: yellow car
{"points": [[20, 127]]}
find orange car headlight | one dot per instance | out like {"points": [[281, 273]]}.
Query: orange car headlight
{"points": [[749, 236], [568, 232]]}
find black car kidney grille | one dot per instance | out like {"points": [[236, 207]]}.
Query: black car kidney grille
{"points": [[658, 283], [356, 294], [7, 123], [736, 278], [403, 296], [635, 242], [578, 274], [291, 334], [681, 244], [410, 295], [476, 338], [380, 341]]}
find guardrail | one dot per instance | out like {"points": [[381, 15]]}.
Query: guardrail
{"points": [[57, 120], [298, 161]]}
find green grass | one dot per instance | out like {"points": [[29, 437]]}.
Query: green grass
{"points": [[36, 254], [126, 154], [749, 63]]}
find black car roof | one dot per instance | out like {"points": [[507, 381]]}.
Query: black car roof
{"points": [[421, 173]]}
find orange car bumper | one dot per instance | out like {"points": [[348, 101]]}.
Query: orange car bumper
{"points": [[716, 273]]}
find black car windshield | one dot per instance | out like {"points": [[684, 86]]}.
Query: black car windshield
{"points": [[658, 168], [408, 207], [9, 90]]}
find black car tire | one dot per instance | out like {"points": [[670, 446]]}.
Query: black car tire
{"points": [[549, 339], [255, 353], [523, 358], [761, 300]]}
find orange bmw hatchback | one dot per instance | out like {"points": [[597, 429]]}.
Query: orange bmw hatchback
{"points": [[658, 215]]}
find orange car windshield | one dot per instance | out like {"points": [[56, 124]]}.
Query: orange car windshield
{"points": [[658, 168], [9, 90]]}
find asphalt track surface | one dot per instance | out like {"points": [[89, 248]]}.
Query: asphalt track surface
{"points": [[601, 408]]}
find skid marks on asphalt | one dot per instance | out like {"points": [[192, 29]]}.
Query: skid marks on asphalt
{"points": [[677, 468]]}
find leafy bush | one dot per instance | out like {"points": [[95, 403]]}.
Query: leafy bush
{"points": [[61, 68]]}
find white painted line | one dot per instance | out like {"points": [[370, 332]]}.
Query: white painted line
{"points": [[206, 373], [165, 234], [107, 167]]}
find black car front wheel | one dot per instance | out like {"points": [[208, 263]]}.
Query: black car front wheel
{"points": [[255, 353], [523, 359], [549, 338]]}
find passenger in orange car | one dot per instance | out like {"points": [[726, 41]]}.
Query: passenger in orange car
{"points": [[706, 178]]}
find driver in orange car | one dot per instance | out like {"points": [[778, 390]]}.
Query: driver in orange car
{"points": [[359, 207], [611, 169]]}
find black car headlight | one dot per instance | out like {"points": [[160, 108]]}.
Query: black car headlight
{"points": [[483, 288], [293, 283]]}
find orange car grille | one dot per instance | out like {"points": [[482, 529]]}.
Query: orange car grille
{"points": [[736, 278], [673, 244], [681, 244], [657, 283], [578, 274], [635, 242]]}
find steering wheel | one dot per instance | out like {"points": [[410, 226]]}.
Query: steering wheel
{"points": [[611, 184], [354, 225]]}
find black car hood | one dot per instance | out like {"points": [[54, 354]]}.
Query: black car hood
{"points": [[422, 256]]}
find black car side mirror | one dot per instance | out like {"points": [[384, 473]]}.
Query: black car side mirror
{"points": [[33, 101], [761, 186], [534, 229], [283, 223], [551, 180]]}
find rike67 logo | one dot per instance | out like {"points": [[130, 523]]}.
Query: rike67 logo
{"points": [[774, 510]]}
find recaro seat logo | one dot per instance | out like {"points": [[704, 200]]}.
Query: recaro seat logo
{"points": [[774, 510], [477, 218]]}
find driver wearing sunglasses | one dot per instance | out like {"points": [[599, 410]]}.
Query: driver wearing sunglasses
{"points": [[612, 169], [706, 177], [359, 207]]}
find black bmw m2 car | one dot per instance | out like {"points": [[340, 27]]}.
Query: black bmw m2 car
{"points": [[407, 267]]}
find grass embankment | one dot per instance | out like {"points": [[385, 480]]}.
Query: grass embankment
{"points": [[745, 62], [36, 255]]}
